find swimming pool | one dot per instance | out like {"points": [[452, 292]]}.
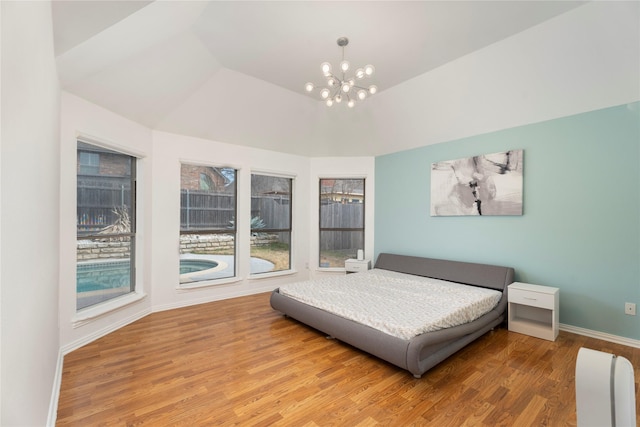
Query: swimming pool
{"points": [[97, 276], [193, 265]]}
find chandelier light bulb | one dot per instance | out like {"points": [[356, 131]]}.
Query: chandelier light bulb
{"points": [[369, 70], [343, 87]]}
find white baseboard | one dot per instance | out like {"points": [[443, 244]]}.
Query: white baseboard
{"points": [[601, 335], [57, 382], [104, 331], [55, 392], [217, 297]]}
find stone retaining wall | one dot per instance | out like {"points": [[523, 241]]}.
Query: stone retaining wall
{"points": [[200, 243]]}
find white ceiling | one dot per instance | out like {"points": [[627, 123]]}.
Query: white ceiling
{"points": [[163, 63]]}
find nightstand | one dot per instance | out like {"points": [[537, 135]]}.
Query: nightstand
{"points": [[354, 265], [533, 310]]}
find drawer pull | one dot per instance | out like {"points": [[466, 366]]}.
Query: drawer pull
{"points": [[531, 299]]}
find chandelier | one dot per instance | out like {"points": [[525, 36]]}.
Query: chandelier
{"points": [[340, 86]]}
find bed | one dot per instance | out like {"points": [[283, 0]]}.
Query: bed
{"points": [[421, 352]]}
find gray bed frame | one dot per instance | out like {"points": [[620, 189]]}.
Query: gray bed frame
{"points": [[424, 351]]}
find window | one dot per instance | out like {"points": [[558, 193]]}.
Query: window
{"points": [[270, 223], [106, 225], [341, 220], [206, 183], [207, 223], [88, 163]]}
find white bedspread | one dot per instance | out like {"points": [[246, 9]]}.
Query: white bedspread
{"points": [[398, 304]]}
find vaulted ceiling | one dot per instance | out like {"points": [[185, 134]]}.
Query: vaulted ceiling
{"points": [[210, 68]]}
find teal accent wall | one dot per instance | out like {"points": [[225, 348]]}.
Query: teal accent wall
{"points": [[580, 230]]}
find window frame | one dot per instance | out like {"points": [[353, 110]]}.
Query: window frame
{"points": [[274, 230], [339, 229], [93, 310], [83, 167], [233, 230]]}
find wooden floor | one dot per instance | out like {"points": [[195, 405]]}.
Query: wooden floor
{"points": [[238, 362]]}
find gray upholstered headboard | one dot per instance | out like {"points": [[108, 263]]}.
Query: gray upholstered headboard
{"points": [[487, 276]]}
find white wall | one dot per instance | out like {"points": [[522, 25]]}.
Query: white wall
{"points": [[159, 206], [169, 151], [82, 119], [240, 109], [29, 214]]}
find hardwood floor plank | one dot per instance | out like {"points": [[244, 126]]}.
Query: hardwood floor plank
{"points": [[238, 362]]}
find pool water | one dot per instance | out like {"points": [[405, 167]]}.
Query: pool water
{"points": [[111, 275], [193, 265]]}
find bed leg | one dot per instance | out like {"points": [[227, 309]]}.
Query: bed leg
{"points": [[416, 376], [329, 337]]}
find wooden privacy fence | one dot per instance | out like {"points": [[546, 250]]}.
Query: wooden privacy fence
{"points": [[204, 210], [97, 200], [338, 215]]}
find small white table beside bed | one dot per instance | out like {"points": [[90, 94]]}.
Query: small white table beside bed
{"points": [[410, 311]]}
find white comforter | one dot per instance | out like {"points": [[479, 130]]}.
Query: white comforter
{"points": [[398, 304]]}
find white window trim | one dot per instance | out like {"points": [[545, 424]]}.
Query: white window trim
{"points": [[223, 280], [86, 315], [341, 176], [109, 145], [208, 283], [258, 276], [291, 270]]}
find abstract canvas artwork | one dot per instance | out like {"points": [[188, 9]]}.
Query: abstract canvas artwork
{"points": [[490, 184]]}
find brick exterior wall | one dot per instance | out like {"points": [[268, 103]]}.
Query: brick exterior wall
{"points": [[190, 177]]}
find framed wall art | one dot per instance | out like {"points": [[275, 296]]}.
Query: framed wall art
{"points": [[489, 184]]}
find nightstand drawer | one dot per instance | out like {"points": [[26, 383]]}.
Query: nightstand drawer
{"points": [[355, 266], [534, 299]]}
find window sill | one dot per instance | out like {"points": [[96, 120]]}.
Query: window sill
{"points": [[207, 283], [273, 274], [86, 315]]}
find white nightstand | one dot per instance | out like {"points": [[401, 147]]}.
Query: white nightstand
{"points": [[354, 265], [533, 310]]}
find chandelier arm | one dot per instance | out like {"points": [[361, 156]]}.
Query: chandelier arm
{"points": [[331, 75], [344, 87]]}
